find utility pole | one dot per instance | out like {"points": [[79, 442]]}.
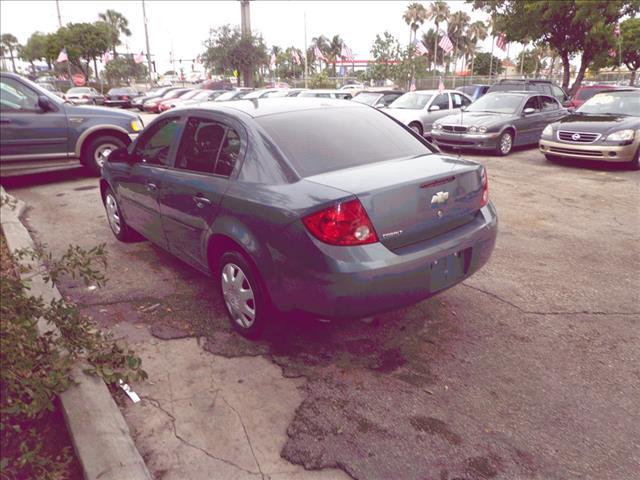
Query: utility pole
{"points": [[59, 17], [65, 47], [245, 22], [146, 37], [306, 56]]}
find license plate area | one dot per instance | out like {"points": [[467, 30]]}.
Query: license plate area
{"points": [[446, 271]]}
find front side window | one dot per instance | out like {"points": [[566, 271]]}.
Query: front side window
{"points": [[15, 97], [441, 101], [154, 147], [532, 103], [548, 104]]}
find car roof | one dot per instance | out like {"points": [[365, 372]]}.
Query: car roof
{"points": [[524, 80], [269, 106], [520, 93], [383, 92]]}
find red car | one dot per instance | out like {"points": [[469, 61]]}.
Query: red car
{"points": [[153, 106], [585, 92], [165, 105]]}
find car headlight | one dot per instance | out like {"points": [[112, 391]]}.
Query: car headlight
{"points": [[473, 129], [548, 130], [136, 125], [437, 126], [482, 129], [621, 135]]}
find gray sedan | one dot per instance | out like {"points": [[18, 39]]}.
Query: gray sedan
{"points": [[498, 121], [418, 110], [352, 217]]}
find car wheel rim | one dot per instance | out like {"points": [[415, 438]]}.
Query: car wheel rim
{"points": [[113, 214], [415, 128], [238, 295], [505, 143], [102, 152]]}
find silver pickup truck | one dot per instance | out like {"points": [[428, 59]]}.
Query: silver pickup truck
{"points": [[41, 132]]}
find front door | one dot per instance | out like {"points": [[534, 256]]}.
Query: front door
{"points": [[27, 132], [140, 186], [190, 198]]}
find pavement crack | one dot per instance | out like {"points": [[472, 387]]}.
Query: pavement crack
{"points": [[158, 405], [246, 434], [537, 312]]}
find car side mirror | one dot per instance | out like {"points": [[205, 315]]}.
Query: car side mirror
{"points": [[434, 108], [566, 103], [119, 155], [463, 108], [379, 105], [571, 109], [44, 103], [529, 111]]}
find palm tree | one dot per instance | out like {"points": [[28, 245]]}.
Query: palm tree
{"points": [[428, 39], [10, 44], [478, 31], [415, 15], [118, 24], [439, 13], [334, 50], [322, 43], [458, 24]]}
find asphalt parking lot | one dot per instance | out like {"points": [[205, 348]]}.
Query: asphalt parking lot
{"points": [[528, 370]]}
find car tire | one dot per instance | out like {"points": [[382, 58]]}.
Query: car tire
{"points": [[243, 296], [119, 227], [505, 143], [97, 152], [416, 127], [635, 164]]}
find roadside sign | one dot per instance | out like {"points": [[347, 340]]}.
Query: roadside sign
{"points": [[79, 80]]}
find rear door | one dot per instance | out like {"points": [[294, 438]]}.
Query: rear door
{"points": [[139, 187], [206, 161], [442, 101], [528, 124]]}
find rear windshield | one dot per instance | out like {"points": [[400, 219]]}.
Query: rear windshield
{"points": [[340, 138], [586, 93], [468, 89], [120, 91], [366, 98]]}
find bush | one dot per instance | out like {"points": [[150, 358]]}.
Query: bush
{"points": [[36, 368], [321, 80]]}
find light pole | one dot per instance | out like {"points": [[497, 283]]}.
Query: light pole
{"points": [[146, 37], [245, 22]]}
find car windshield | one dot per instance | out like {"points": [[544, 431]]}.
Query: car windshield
{"points": [[496, 103], [226, 96], [587, 93], [201, 95], [48, 86], [191, 94], [120, 91], [613, 103], [412, 101], [78, 90], [340, 138], [173, 94], [367, 98]]}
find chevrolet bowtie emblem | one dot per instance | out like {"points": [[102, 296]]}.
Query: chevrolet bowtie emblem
{"points": [[439, 198]]}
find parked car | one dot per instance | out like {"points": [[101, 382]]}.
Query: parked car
{"points": [[155, 93], [418, 110], [152, 105], [319, 93], [216, 85], [294, 92], [41, 131], [352, 217], [84, 96], [285, 92], [51, 88], [263, 93], [121, 97], [585, 92], [353, 86], [165, 105], [377, 98], [236, 94], [199, 97], [531, 84], [606, 127], [498, 121], [474, 91]]}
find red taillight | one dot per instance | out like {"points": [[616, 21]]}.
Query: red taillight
{"points": [[345, 223], [125, 98], [485, 188], [86, 96]]}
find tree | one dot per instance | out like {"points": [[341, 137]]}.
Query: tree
{"points": [[483, 61], [85, 42], [439, 13], [428, 39], [478, 31], [571, 27], [385, 52], [322, 44], [229, 50], [122, 69], [35, 49], [334, 50], [630, 38], [532, 61], [118, 24], [10, 45], [414, 16], [458, 24]]}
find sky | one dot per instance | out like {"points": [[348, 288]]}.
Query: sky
{"points": [[183, 26]]}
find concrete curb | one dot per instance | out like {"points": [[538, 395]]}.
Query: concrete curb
{"points": [[99, 433]]}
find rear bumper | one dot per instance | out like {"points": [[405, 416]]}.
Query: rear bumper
{"points": [[606, 153], [486, 141], [361, 281], [117, 103]]}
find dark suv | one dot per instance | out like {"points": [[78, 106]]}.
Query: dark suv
{"points": [[42, 132], [530, 84]]}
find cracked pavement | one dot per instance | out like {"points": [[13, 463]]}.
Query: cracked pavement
{"points": [[528, 370]]}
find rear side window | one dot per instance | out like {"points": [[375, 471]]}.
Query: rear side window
{"points": [[587, 93], [459, 100], [441, 101], [322, 140]]}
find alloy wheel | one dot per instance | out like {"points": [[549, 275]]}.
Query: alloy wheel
{"points": [[113, 214], [238, 295], [506, 142], [102, 153]]}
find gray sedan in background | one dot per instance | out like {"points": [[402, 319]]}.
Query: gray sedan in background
{"points": [[352, 217], [418, 110], [498, 121]]}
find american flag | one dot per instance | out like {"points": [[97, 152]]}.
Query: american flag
{"points": [[420, 48], [318, 54], [62, 56], [106, 57], [295, 58], [501, 43], [440, 85], [616, 30], [612, 52], [139, 58], [272, 61], [346, 53], [412, 87], [445, 44]]}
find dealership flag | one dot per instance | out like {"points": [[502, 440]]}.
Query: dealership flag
{"points": [[445, 44], [346, 53], [62, 56], [412, 87], [318, 54], [295, 58], [441, 85], [139, 58], [612, 52], [501, 43], [272, 62], [616, 30], [106, 57], [420, 48]]}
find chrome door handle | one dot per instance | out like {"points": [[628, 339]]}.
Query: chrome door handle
{"points": [[201, 201], [152, 187]]}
